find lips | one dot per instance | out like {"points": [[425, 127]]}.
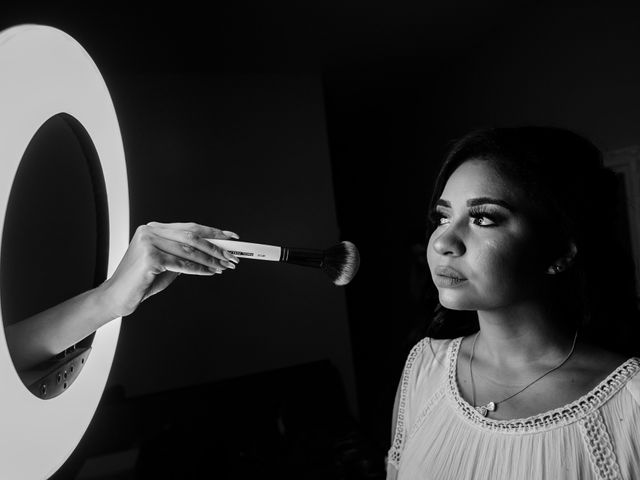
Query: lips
{"points": [[448, 272], [447, 277]]}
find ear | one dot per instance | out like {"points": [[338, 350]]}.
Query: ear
{"points": [[565, 261]]}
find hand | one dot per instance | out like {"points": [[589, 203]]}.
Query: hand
{"points": [[157, 254]]}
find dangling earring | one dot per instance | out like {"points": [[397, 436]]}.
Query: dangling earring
{"points": [[564, 262], [555, 269]]}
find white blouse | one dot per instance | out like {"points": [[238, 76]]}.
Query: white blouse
{"points": [[439, 435]]}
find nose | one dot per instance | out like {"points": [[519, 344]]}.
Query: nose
{"points": [[448, 242]]}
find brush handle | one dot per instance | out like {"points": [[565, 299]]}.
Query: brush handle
{"points": [[253, 251], [258, 251]]}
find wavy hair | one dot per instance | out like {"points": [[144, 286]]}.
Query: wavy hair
{"points": [[573, 197]]}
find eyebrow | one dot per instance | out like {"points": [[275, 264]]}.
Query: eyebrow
{"points": [[473, 202]]}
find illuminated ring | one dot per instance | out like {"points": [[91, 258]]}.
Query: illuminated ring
{"points": [[45, 72]]}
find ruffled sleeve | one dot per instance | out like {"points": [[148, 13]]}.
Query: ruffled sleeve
{"points": [[423, 372]]}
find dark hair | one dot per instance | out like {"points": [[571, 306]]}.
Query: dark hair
{"points": [[572, 198]]}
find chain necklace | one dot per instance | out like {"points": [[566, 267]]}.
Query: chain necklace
{"points": [[492, 406]]}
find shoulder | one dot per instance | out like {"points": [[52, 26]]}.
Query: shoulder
{"points": [[601, 364], [431, 347], [424, 370], [592, 364], [425, 367], [595, 366], [633, 385], [429, 353]]}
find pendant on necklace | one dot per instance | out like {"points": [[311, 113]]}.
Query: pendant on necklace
{"points": [[485, 409]]}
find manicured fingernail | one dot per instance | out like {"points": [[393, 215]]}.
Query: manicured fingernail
{"points": [[228, 264], [215, 270], [231, 234], [231, 256]]}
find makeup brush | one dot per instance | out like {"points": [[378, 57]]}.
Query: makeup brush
{"points": [[339, 262]]}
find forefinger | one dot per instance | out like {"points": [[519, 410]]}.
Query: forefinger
{"points": [[202, 231], [188, 238]]}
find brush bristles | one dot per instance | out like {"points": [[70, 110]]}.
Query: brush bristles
{"points": [[341, 262]]}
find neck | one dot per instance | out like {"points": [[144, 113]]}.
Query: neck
{"points": [[520, 335]]}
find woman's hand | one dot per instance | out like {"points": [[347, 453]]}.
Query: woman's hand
{"points": [[157, 254]]}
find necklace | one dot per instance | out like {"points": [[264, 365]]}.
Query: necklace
{"points": [[492, 406]]}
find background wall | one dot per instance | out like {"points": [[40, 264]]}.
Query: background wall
{"points": [[248, 154]]}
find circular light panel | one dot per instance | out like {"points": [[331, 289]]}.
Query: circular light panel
{"points": [[45, 72]]}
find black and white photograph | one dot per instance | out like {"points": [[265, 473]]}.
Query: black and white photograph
{"points": [[320, 240]]}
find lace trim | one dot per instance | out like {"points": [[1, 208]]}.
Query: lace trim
{"points": [[424, 413], [558, 417], [399, 436], [601, 452]]}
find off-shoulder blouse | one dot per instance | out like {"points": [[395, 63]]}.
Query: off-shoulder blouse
{"points": [[439, 435]]}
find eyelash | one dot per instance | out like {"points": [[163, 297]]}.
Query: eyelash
{"points": [[476, 213]]}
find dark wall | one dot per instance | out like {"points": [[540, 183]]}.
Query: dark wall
{"points": [[248, 154]]}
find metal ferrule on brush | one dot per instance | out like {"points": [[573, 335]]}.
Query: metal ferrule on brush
{"points": [[302, 256]]}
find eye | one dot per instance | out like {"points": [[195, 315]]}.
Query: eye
{"points": [[483, 217], [438, 218], [483, 221]]}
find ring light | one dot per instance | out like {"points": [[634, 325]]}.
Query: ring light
{"points": [[44, 73]]}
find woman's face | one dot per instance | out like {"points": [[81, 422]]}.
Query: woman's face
{"points": [[482, 254]]}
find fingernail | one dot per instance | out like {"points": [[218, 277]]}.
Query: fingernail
{"points": [[231, 234], [231, 256], [215, 270], [228, 264]]}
